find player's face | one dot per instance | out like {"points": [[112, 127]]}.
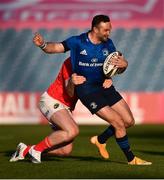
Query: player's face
{"points": [[103, 31]]}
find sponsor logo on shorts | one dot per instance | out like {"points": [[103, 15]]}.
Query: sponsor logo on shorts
{"points": [[46, 113], [56, 105], [93, 105]]}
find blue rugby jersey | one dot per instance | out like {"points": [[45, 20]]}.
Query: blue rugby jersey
{"points": [[87, 60]]}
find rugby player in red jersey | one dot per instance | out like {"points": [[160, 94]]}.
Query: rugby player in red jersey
{"points": [[56, 104]]}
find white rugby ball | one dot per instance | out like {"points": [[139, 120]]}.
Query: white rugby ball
{"points": [[109, 69]]}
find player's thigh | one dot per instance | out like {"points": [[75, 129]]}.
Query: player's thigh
{"points": [[64, 120], [123, 109], [111, 116], [57, 113]]}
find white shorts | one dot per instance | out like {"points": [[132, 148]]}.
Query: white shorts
{"points": [[48, 105]]}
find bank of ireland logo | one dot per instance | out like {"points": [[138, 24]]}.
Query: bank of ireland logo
{"points": [[105, 52], [94, 60], [93, 105]]}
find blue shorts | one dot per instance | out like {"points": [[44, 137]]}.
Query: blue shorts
{"points": [[97, 100]]}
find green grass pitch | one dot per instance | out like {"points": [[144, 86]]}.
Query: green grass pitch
{"points": [[147, 142]]}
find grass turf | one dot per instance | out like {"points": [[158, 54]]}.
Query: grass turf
{"points": [[147, 142]]}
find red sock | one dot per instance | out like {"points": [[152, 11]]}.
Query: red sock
{"points": [[26, 150], [43, 145]]}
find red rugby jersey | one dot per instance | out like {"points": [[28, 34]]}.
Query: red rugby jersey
{"points": [[57, 89]]}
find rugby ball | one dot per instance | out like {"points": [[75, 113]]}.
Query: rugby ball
{"points": [[108, 68]]}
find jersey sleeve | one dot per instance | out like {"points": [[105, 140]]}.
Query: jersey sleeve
{"points": [[70, 43], [112, 46]]}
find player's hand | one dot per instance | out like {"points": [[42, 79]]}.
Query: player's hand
{"points": [[107, 83], [38, 39], [77, 79], [120, 62]]}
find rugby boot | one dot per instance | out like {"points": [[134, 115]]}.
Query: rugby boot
{"points": [[138, 161], [18, 155], [101, 147], [35, 155]]}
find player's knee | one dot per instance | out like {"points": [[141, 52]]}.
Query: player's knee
{"points": [[120, 129], [129, 122], [72, 133], [132, 122], [119, 123], [76, 131], [120, 126]]}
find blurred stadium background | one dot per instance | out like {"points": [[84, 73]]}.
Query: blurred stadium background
{"points": [[26, 72]]}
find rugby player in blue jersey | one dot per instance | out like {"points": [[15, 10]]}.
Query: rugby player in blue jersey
{"points": [[88, 52]]}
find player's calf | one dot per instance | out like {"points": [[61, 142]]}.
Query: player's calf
{"points": [[61, 152]]}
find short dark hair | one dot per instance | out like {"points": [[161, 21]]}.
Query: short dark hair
{"points": [[98, 19]]}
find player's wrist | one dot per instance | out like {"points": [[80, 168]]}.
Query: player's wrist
{"points": [[71, 81], [43, 45]]}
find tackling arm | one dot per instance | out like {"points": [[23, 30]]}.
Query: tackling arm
{"points": [[107, 83], [72, 82], [47, 47]]}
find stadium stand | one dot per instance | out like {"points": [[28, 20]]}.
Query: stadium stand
{"points": [[23, 67]]}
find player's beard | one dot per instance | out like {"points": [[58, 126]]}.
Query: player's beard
{"points": [[104, 38]]}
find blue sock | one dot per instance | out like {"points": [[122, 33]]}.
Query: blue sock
{"points": [[124, 145], [102, 138]]}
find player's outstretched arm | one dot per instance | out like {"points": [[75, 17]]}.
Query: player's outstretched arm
{"points": [[47, 47], [72, 82]]}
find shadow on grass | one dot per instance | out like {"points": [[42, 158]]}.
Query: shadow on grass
{"points": [[82, 158], [56, 158], [147, 131], [150, 152], [7, 153]]}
